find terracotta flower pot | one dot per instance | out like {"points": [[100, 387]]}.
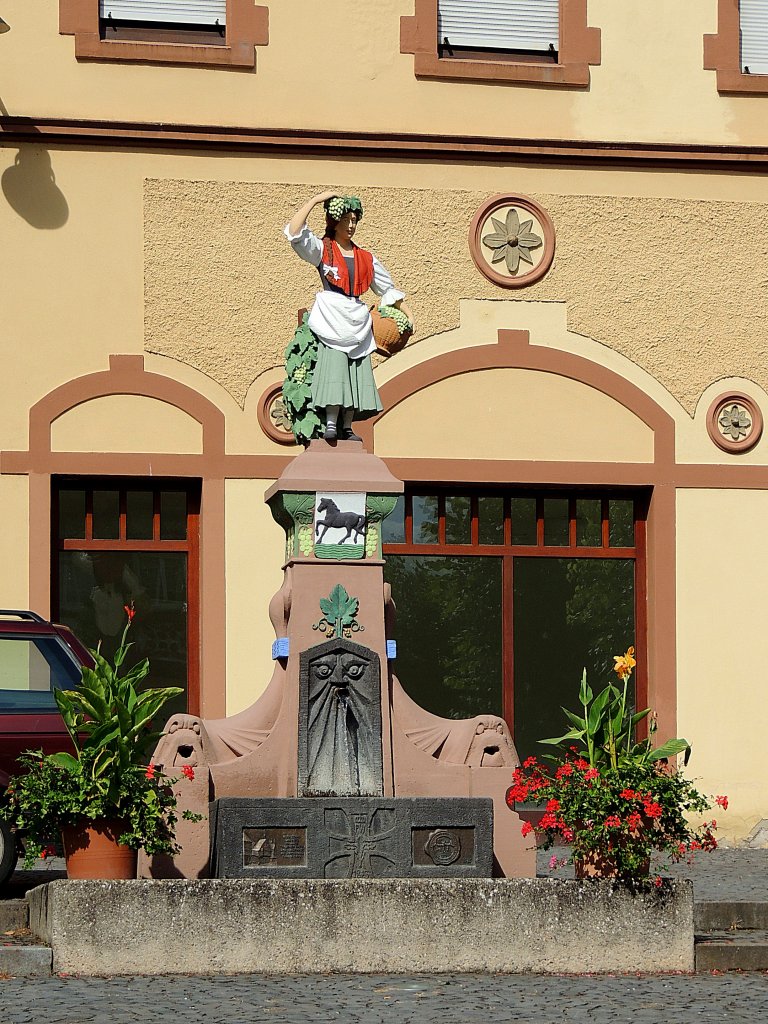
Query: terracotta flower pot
{"points": [[600, 864], [91, 850], [387, 334]]}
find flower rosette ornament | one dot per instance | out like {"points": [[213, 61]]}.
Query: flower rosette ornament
{"points": [[614, 801]]}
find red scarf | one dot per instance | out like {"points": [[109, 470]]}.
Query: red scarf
{"points": [[333, 257]]}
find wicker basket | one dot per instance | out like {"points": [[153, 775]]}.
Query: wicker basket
{"points": [[386, 333]]}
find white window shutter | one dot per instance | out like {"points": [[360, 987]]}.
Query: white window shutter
{"points": [[500, 24], [177, 12], [753, 16]]}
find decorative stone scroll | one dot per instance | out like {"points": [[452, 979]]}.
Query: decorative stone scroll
{"points": [[734, 422], [512, 240]]}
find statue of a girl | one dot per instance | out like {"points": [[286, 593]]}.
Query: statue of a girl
{"points": [[343, 387]]}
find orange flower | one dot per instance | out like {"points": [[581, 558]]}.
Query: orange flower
{"points": [[624, 664], [150, 772]]}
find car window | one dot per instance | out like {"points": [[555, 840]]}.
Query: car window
{"points": [[30, 668]]}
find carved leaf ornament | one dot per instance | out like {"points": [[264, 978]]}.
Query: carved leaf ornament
{"points": [[512, 241], [735, 422], [339, 614]]}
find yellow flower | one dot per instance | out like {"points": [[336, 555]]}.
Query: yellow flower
{"points": [[624, 663]]}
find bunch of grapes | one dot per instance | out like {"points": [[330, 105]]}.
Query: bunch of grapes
{"points": [[402, 321], [337, 207], [300, 373]]}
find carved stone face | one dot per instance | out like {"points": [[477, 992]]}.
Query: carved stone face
{"points": [[340, 721], [339, 671], [491, 746]]}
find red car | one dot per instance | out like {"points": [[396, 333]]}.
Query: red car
{"points": [[36, 656]]}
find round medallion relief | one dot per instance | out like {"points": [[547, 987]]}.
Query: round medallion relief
{"points": [[512, 240], [273, 418], [734, 422]]}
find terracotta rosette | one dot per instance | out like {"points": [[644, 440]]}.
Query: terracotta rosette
{"points": [[753, 431], [483, 226], [273, 430]]}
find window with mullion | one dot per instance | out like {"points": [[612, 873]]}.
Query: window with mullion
{"points": [[503, 598], [119, 544]]}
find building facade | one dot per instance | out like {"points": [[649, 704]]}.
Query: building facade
{"points": [[573, 196]]}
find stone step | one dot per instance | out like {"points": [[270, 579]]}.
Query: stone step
{"points": [[25, 961], [726, 915], [13, 914], [739, 950]]}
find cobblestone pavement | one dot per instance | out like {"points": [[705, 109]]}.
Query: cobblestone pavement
{"points": [[449, 999], [724, 874]]}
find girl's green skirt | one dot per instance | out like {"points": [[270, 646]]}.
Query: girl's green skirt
{"points": [[339, 380]]}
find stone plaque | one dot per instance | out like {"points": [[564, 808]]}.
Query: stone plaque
{"points": [[339, 525], [443, 846], [352, 837], [274, 847]]}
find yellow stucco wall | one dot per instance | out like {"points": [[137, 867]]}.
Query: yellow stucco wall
{"points": [[254, 553], [126, 423], [651, 63], [513, 414], [14, 541], [722, 562]]}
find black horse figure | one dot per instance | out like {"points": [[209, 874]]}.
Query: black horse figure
{"points": [[335, 519]]}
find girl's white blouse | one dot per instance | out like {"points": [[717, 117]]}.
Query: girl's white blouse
{"points": [[341, 321]]}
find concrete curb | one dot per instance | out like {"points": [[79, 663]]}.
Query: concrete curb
{"points": [[26, 961], [293, 926]]}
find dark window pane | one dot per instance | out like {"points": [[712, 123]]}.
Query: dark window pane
{"points": [[106, 515], [424, 519], [568, 614], [139, 515], [621, 522], [523, 520], [449, 632], [393, 527], [588, 522], [71, 514], [458, 520], [490, 511], [173, 515], [556, 522], [94, 588]]}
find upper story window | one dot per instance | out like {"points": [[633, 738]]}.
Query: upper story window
{"points": [[541, 41], [189, 21], [753, 17], [517, 28], [218, 32], [739, 50]]}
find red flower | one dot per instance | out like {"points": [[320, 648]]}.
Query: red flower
{"points": [[652, 809], [612, 821], [722, 801], [628, 794], [188, 772], [548, 820], [657, 881], [564, 770], [529, 762], [593, 773], [527, 828], [150, 772], [581, 764], [130, 611], [553, 805], [634, 821]]}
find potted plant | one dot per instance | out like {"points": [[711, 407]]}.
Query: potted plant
{"points": [[105, 799], [613, 800]]}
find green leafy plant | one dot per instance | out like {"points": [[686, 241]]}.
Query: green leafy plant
{"points": [[614, 801], [300, 360], [340, 613], [109, 722]]}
